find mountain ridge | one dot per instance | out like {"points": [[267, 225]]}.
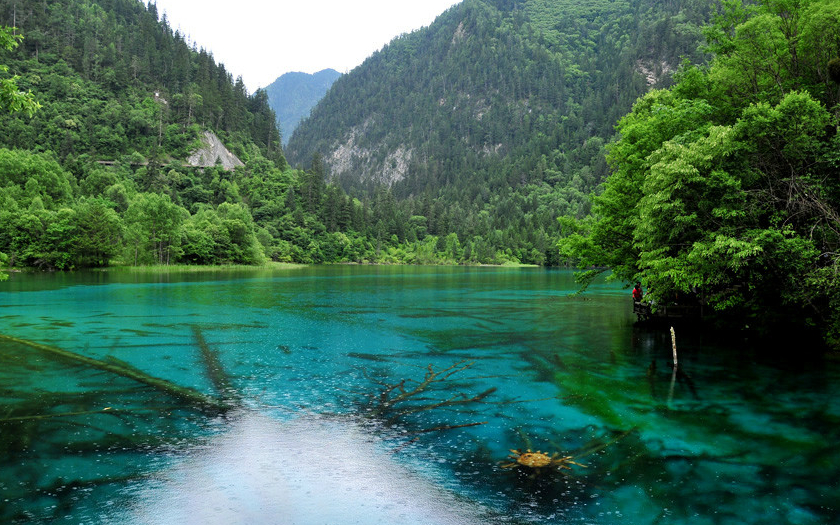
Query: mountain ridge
{"points": [[493, 121], [490, 75]]}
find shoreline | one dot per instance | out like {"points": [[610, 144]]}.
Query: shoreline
{"points": [[197, 268]]}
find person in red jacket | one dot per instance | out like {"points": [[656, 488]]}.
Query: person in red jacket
{"points": [[637, 292]]}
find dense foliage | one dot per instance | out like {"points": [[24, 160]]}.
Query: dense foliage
{"points": [[117, 84], [293, 95], [492, 121], [726, 187], [11, 98]]}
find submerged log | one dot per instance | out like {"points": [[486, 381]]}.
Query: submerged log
{"points": [[213, 365], [116, 367]]}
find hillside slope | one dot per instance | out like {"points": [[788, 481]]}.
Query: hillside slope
{"points": [[114, 81], [102, 174], [501, 106]]}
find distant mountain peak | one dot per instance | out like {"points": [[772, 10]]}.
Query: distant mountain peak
{"points": [[295, 93]]}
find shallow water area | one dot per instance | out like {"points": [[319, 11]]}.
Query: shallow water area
{"points": [[393, 395], [308, 469]]}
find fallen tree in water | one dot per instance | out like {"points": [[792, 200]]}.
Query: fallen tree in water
{"points": [[115, 366]]}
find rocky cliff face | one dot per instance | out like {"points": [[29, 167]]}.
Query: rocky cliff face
{"points": [[211, 151]]}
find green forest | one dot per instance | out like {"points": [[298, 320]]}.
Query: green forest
{"points": [[724, 188], [95, 174]]}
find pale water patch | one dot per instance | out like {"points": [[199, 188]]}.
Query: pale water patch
{"points": [[307, 470]]}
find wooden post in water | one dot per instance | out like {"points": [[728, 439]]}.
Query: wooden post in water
{"points": [[674, 346], [674, 372]]}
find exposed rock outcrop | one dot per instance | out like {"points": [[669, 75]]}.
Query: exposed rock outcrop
{"points": [[212, 150]]}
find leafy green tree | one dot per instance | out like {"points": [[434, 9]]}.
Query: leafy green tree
{"points": [[724, 187], [11, 97], [152, 228], [99, 232], [197, 238], [239, 225], [57, 245]]}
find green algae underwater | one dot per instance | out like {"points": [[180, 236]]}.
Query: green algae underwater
{"points": [[353, 394]]}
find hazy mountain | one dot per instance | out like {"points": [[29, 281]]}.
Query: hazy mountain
{"points": [[293, 95]]}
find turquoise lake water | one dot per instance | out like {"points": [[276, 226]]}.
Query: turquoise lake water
{"points": [[330, 421]]}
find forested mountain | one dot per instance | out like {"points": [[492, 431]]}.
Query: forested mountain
{"points": [[118, 81], [494, 97], [492, 121], [293, 95], [96, 175]]}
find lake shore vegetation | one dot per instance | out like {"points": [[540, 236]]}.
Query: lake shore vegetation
{"points": [[721, 188]]}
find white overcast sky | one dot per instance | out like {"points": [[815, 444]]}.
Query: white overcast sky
{"points": [[260, 40]]}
